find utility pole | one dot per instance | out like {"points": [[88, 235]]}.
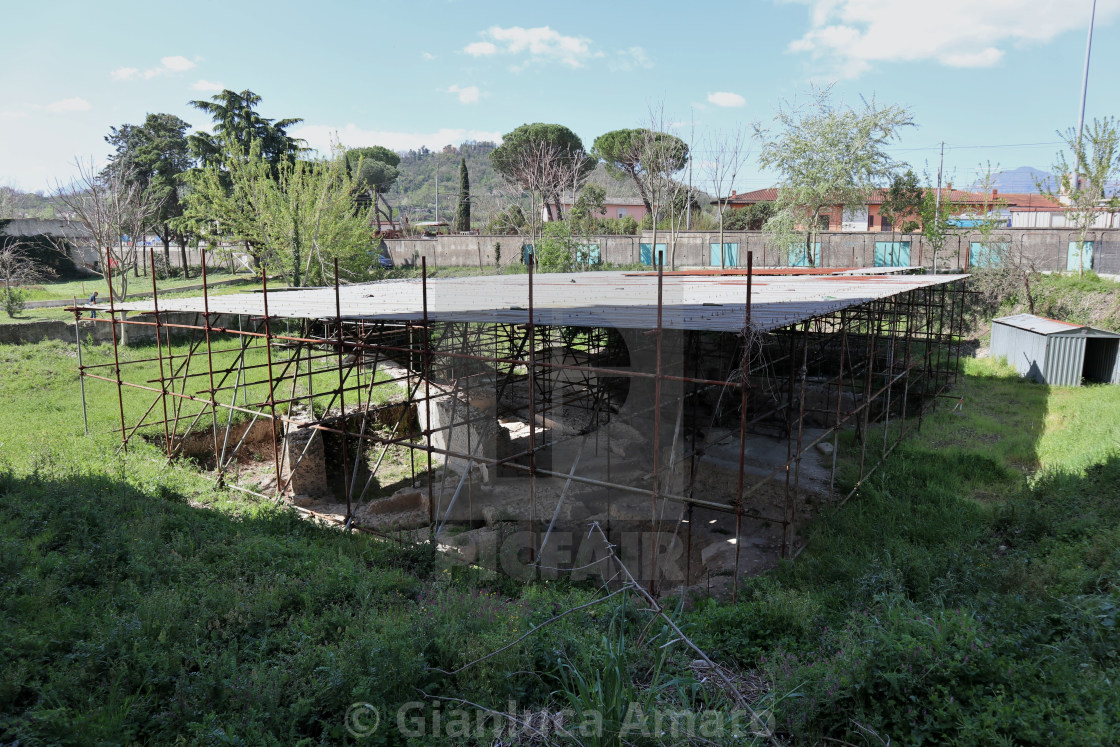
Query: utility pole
{"points": [[1076, 186], [937, 200]]}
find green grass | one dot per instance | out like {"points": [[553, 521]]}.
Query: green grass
{"points": [[138, 603], [64, 290], [967, 595]]}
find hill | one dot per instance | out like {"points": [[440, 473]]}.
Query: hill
{"points": [[18, 204], [415, 190]]}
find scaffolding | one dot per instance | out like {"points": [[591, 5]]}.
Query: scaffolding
{"points": [[728, 419]]}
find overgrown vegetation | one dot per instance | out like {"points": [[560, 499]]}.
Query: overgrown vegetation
{"points": [[967, 595], [1081, 299]]}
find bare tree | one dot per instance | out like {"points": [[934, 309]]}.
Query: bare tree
{"points": [[109, 205], [727, 152], [526, 207], [1000, 269], [663, 156], [18, 268], [1083, 176]]}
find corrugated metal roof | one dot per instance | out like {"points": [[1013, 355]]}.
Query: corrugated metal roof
{"points": [[1039, 324], [587, 299], [28, 227], [1045, 326]]}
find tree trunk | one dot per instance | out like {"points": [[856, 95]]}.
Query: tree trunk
{"points": [[548, 209], [183, 255], [721, 258], [1027, 289], [388, 209], [166, 239], [642, 191]]}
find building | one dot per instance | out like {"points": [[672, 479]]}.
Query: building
{"points": [[64, 246], [1056, 216], [1056, 353], [614, 207], [868, 217]]}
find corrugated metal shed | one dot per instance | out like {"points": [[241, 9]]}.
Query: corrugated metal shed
{"points": [[1056, 353]]}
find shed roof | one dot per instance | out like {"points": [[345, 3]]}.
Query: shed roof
{"points": [[587, 299], [28, 227], [1044, 326]]}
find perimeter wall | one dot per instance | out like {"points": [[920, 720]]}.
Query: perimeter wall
{"points": [[1049, 248]]}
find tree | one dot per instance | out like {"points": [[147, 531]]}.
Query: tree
{"points": [[18, 268], [8, 200], [463, 214], [636, 153], [589, 205], [1092, 161], [156, 155], [542, 159], [237, 123], [726, 153], [999, 269], [109, 204], [662, 156], [902, 203], [296, 219], [827, 155], [375, 171], [936, 217], [750, 217]]}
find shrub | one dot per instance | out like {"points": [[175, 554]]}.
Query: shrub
{"points": [[14, 300]]}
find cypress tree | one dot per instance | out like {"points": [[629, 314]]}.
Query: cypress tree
{"points": [[463, 214]]}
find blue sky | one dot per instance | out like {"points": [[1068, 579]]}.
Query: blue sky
{"points": [[993, 73]]}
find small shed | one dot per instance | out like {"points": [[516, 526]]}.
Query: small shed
{"points": [[1056, 353]]}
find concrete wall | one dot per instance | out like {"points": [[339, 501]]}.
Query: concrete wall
{"points": [[1047, 247]]}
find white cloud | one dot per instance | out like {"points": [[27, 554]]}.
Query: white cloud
{"points": [[480, 49], [725, 98], [427, 56], [540, 44], [177, 63], [207, 85], [320, 137], [850, 36], [630, 58], [167, 65], [75, 104], [468, 95]]}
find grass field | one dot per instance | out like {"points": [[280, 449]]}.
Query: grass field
{"points": [[967, 595]]}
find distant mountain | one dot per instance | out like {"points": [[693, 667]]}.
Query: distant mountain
{"points": [[1023, 179]]}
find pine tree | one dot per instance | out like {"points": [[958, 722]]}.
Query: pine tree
{"points": [[463, 214]]}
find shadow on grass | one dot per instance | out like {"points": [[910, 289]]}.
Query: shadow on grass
{"points": [[137, 617], [953, 600]]}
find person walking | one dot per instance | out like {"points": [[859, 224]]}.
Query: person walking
{"points": [[93, 300]]}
